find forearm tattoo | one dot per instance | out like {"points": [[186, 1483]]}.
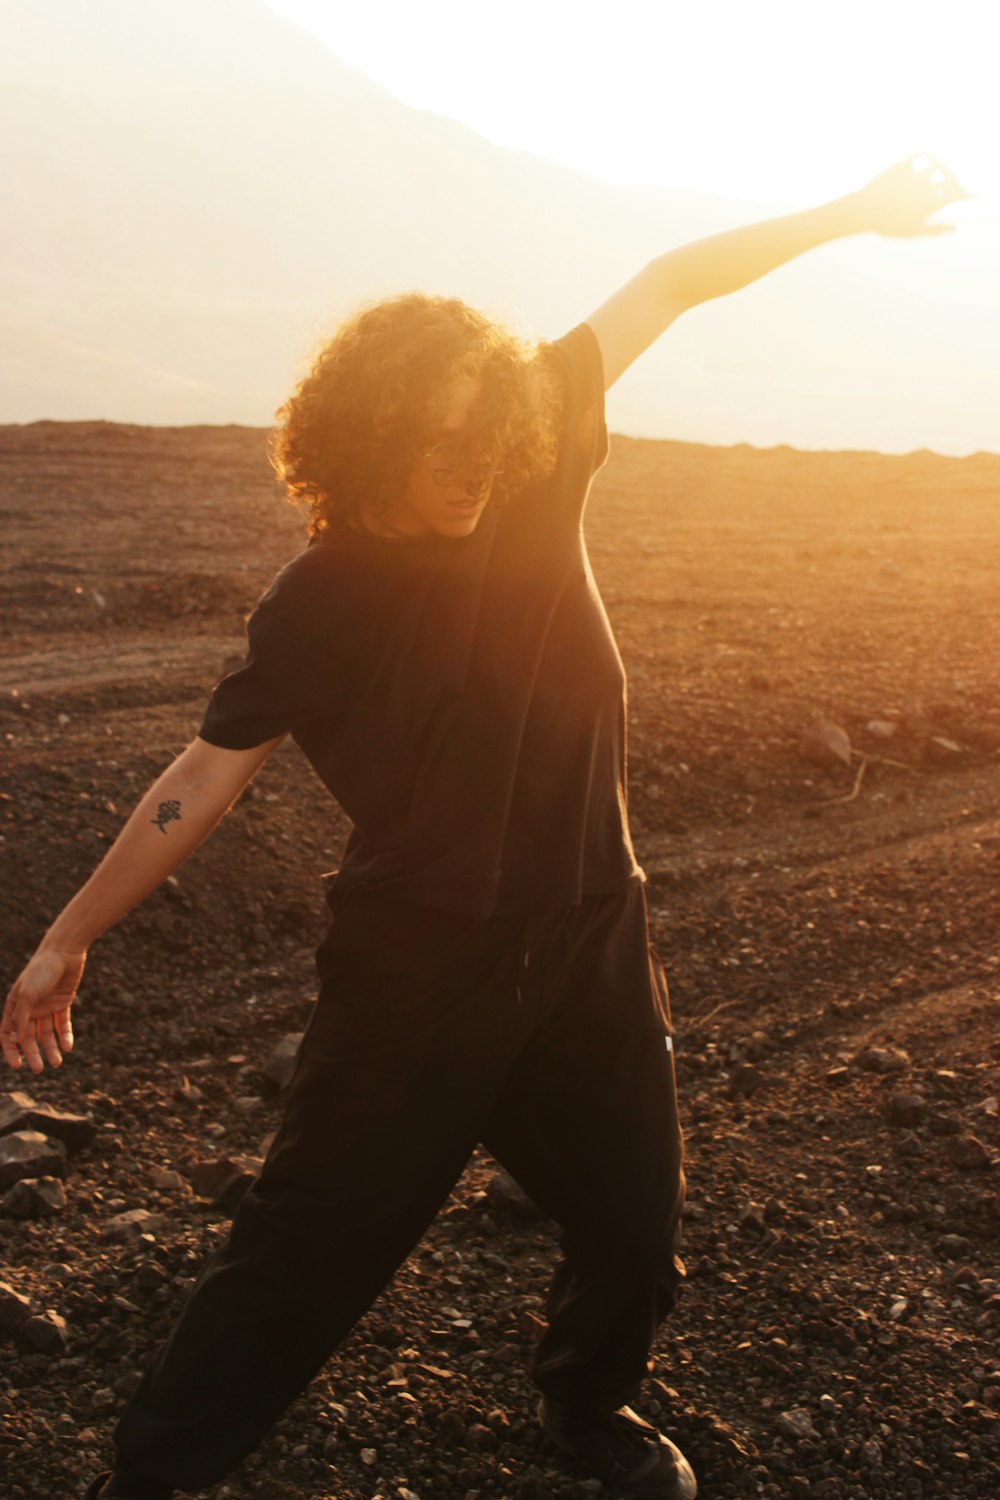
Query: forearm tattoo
{"points": [[168, 812]]}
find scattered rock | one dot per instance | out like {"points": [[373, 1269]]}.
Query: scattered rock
{"points": [[746, 1079], [825, 743], [131, 1224], [751, 1220], [507, 1196], [15, 1112], [28, 1153], [881, 729], [187, 1092], [883, 1060], [224, 1180], [168, 1181], [47, 1332], [940, 748], [968, 1152], [796, 1423], [451, 1427], [15, 1309], [150, 1276], [18, 1111], [35, 1198], [280, 1066], [759, 1045], [529, 1324], [907, 1109]]}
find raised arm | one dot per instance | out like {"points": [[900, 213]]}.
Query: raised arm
{"points": [[180, 809], [897, 202]]}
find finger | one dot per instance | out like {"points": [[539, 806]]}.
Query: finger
{"points": [[946, 180], [8, 1045], [64, 1029], [28, 1042], [8, 1031], [955, 191], [47, 1041]]}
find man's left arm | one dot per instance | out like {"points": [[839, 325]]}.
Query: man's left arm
{"points": [[897, 202]]}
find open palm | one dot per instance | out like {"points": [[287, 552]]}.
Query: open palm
{"points": [[899, 200]]}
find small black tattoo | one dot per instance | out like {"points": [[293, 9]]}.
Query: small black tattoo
{"points": [[168, 812]]}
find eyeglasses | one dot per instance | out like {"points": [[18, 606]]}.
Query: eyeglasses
{"points": [[449, 460]]}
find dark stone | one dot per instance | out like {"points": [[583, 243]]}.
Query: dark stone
{"points": [[27, 1153], [951, 1246], [35, 1198], [752, 1220], [883, 1060], [746, 1079], [907, 1109], [508, 1196], [280, 1066], [47, 1332], [15, 1112], [225, 1180], [15, 1309], [151, 1276], [131, 1224], [451, 1426], [968, 1152], [20, 1112]]}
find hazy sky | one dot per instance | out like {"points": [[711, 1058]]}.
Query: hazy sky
{"points": [[783, 101]]}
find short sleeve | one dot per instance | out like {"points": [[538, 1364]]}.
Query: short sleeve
{"points": [[584, 434], [288, 676]]}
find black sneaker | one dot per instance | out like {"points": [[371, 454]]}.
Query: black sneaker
{"points": [[622, 1451]]}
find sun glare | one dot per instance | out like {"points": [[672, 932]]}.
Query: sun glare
{"points": [[774, 102]]}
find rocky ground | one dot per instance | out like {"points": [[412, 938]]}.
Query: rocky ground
{"points": [[823, 898]]}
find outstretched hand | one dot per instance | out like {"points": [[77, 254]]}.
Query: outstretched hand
{"points": [[899, 200], [36, 1017]]}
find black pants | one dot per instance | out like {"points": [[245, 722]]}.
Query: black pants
{"points": [[548, 1039]]}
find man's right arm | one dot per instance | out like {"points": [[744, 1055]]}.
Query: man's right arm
{"points": [[180, 809]]}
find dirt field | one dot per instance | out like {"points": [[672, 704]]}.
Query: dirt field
{"points": [[830, 931]]}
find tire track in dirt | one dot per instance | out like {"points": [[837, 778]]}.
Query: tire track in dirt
{"points": [[74, 665]]}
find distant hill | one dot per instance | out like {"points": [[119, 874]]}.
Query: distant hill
{"points": [[195, 190]]}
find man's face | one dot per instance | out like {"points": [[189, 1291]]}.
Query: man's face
{"points": [[449, 486]]}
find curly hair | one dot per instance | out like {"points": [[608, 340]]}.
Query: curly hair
{"points": [[359, 420]]}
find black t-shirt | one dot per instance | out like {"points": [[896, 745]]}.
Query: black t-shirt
{"points": [[462, 698]]}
